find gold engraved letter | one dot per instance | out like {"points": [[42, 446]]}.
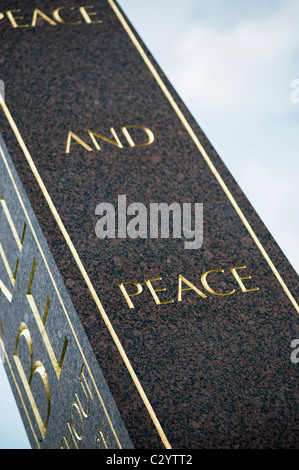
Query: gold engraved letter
{"points": [[191, 286], [41, 325], [239, 279], [116, 142], [40, 16], [38, 368], [88, 395], [153, 291], [149, 133], [206, 285], [12, 276], [86, 15], [5, 291], [76, 407], [13, 19], [127, 296], [19, 241], [57, 17], [104, 439], [69, 142], [72, 438], [1, 329]]}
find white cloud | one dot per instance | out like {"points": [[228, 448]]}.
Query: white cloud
{"points": [[235, 66]]}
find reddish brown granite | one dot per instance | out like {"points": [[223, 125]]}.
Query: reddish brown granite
{"points": [[217, 371]]}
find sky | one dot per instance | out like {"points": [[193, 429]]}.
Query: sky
{"points": [[235, 65]]}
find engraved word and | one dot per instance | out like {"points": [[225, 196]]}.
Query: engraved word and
{"points": [[133, 135]]}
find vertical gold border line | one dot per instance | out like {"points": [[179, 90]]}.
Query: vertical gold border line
{"points": [[85, 276], [200, 148], [19, 392], [58, 294]]}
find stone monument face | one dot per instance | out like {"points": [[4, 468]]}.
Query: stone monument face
{"points": [[143, 303]]}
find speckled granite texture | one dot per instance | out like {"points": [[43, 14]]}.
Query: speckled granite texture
{"points": [[78, 397], [216, 371]]}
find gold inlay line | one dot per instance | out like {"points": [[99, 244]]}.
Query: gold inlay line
{"points": [[85, 275], [6, 292], [7, 267], [57, 292], [10, 221], [212, 168], [19, 392], [201, 149]]}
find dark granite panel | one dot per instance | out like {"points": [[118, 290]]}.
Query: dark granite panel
{"points": [[215, 370]]}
